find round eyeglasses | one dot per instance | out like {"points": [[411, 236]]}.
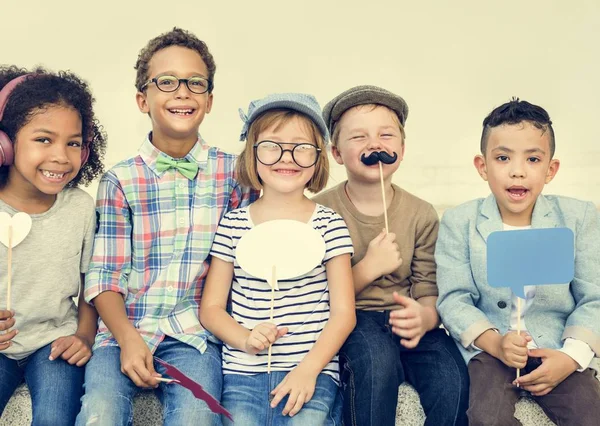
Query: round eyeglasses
{"points": [[170, 83], [304, 154]]}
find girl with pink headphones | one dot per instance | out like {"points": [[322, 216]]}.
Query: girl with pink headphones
{"points": [[50, 142]]}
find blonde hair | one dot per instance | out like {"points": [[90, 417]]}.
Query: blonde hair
{"points": [[247, 174], [335, 135]]}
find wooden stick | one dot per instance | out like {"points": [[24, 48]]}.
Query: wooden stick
{"points": [[9, 267], [161, 379], [273, 285], [518, 330], [387, 230]]}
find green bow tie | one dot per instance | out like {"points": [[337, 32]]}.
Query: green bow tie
{"points": [[189, 170]]}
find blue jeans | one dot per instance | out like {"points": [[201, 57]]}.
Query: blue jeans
{"points": [[247, 399], [55, 386], [108, 398], [374, 364]]}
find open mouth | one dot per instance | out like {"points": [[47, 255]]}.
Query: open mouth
{"points": [[517, 193], [182, 111]]}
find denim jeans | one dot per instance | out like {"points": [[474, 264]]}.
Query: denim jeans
{"points": [[108, 399], [247, 399], [374, 364], [55, 386]]}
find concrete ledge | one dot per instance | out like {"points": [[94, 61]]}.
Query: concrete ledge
{"points": [[148, 412]]}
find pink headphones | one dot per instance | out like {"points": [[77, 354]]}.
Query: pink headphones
{"points": [[6, 145]]}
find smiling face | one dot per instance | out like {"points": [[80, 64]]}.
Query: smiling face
{"points": [[175, 115], [517, 164], [362, 130], [285, 176], [47, 151]]}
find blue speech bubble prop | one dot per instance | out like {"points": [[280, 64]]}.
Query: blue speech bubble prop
{"points": [[530, 257]]}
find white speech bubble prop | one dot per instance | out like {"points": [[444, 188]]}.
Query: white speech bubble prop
{"points": [[280, 250], [13, 231], [294, 248]]}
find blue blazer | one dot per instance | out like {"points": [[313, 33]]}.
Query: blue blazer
{"points": [[468, 305]]}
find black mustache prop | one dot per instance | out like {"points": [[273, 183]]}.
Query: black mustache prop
{"points": [[377, 156]]}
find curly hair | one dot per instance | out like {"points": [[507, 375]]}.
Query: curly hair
{"points": [[175, 37], [45, 89]]}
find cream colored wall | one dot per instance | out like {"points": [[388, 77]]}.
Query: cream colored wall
{"points": [[452, 61]]}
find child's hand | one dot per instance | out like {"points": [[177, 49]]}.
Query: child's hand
{"points": [[513, 349], [408, 323], [383, 254], [556, 367], [262, 336], [300, 384], [73, 349], [137, 362], [6, 322]]}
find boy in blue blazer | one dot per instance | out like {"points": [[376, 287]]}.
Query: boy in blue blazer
{"points": [[561, 323]]}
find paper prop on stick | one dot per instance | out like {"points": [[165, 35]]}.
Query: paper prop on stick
{"points": [[378, 157], [520, 258], [530, 257], [195, 388], [280, 250], [13, 231]]}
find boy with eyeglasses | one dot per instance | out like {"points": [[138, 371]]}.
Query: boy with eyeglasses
{"points": [[157, 215]]}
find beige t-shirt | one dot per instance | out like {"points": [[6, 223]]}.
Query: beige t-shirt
{"points": [[415, 223], [46, 271]]}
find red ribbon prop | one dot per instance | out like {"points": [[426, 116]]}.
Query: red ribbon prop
{"points": [[195, 388]]}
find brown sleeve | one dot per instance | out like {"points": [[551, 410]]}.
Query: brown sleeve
{"points": [[423, 279]]}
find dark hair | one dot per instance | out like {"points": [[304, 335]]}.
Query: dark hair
{"points": [[515, 112], [45, 89], [175, 37]]}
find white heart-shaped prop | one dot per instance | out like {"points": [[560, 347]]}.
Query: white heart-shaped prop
{"points": [[21, 225], [294, 248]]}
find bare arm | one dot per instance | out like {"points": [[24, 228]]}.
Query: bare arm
{"points": [[111, 307], [300, 382], [431, 318], [511, 348], [136, 359], [76, 349], [489, 341], [342, 317], [88, 318], [382, 257], [362, 275], [213, 307]]}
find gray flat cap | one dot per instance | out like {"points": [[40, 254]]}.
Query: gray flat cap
{"points": [[361, 95]]}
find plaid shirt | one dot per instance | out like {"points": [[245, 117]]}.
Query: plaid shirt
{"points": [[153, 238]]}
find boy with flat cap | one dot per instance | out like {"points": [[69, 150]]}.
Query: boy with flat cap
{"points": [[397, 336]]}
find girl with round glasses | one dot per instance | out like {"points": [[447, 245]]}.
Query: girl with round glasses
{"points": [[305, 155], [314, 313]]}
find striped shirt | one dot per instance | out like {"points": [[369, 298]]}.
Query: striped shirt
{"points": [[153, 237], [301, 304]]}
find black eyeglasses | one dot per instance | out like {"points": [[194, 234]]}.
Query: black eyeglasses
{"points": [[170, 83], [304, 154]]}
